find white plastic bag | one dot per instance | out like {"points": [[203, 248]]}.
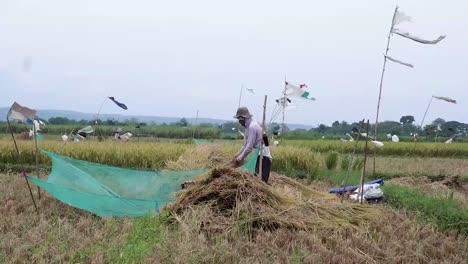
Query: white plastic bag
{"points": [[371, 191]]}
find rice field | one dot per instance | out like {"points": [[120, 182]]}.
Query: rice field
{"points": [[405, 149], [151, 156], [62, 234], [298, 155]]}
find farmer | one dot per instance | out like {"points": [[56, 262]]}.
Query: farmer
{"points": [[253, 137]]}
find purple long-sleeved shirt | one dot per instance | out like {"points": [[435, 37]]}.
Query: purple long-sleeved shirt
{"points": [[253, 137]]}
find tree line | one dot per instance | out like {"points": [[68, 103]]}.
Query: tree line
{"points": [[406, 127]]}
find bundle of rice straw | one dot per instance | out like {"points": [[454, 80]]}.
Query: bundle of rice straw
{"points": [[236, 200]]}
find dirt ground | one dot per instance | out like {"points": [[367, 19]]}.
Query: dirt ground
{"points": [[62, 234]]}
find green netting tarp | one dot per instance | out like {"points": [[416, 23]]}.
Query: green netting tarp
{"points": [[197, 141], [40, 137], [252, 162], [109, 191]]}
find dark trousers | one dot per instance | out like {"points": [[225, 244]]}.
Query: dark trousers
{"points": [[266, 168]]}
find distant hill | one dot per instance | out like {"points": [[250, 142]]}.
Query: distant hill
{"points": [[46, 114]]}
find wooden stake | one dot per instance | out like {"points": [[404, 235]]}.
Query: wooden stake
{"points": [[260, 164], [363, 175], [345, 182]]}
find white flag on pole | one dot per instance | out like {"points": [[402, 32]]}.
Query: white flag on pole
{"points": [[401, 17], [21, 113], [417, 39], [301, 91], [399, 62], [447, 99], [251, 90]]}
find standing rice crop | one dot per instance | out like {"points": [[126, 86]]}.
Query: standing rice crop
{"points": [[331, 159], [151, 156]]}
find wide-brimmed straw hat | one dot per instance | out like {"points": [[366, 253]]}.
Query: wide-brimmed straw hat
{"points": [[243, 112]]}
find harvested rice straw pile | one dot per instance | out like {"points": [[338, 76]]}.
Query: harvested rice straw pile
{"points": [[237, 201]]}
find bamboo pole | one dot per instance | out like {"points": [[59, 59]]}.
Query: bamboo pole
{"points": [[345, 182], [383, 73], [239, 127], [283, 108], [195, 127], [425, 113], [424, 118], [36, 158], [363, 175], [260, 164], [22, 167], [381, 84], [96, 125], [69, 136], [240, 94]]}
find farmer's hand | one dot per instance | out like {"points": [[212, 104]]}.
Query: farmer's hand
{"points": [[236, 163]]}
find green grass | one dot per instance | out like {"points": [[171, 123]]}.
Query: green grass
{"points": [[146, 233], [444, 213], [297, 257], [465, 179]]}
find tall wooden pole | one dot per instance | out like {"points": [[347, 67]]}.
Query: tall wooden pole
{"points": [[383, 73], [239, 127], [424, 118], [365, 162], [196, 124], [260, 164], [425, 113], [36, 157], [284, 99], [96, 125], [381, 82], [240, 94], [22, 167]]}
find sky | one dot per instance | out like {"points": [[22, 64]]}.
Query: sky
{"points": [[172, 58]]}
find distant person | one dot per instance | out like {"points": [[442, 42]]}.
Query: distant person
{"points": [[253, 137]]}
